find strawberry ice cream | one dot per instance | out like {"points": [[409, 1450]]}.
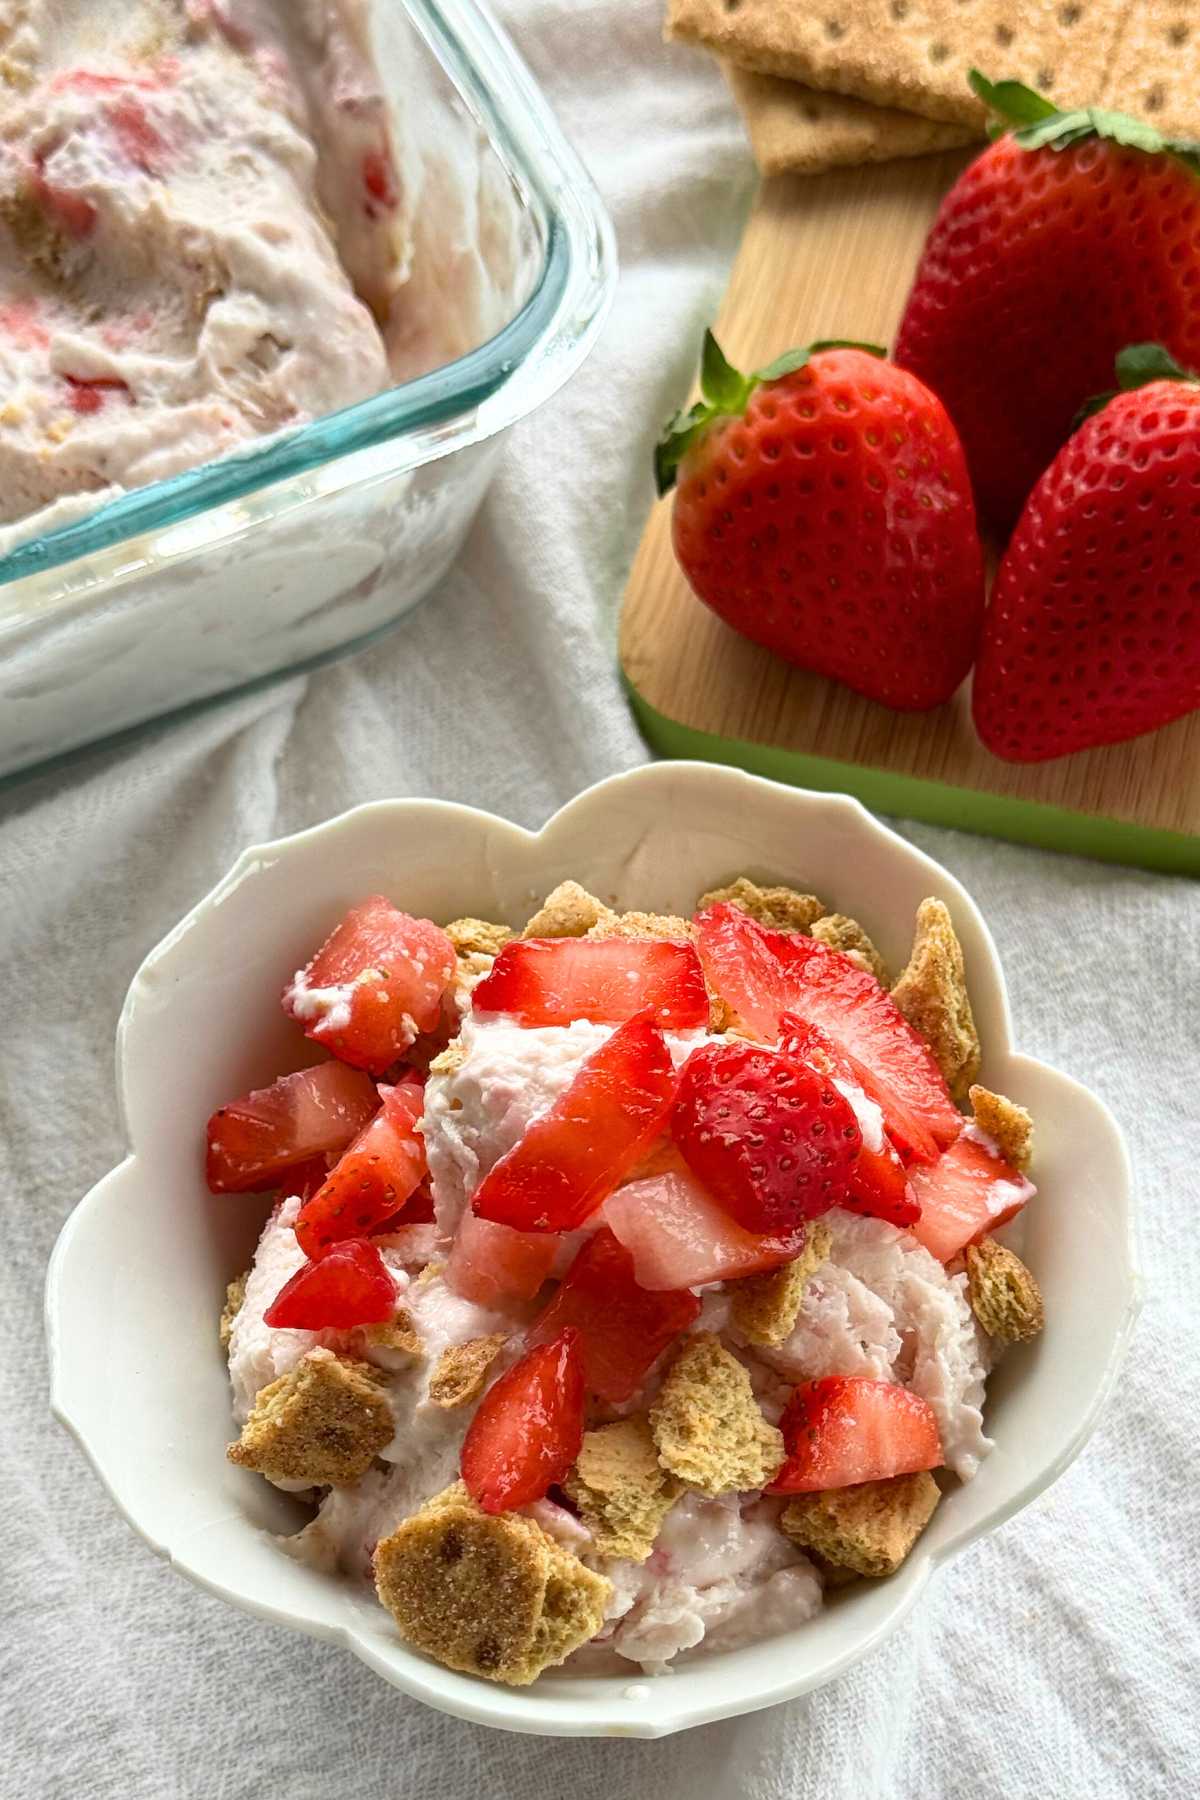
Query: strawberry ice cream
{"points": [[661, 1327]]}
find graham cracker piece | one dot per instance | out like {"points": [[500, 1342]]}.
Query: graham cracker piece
{"points": [[1008, 1125], [840, 933], [643, 925], [569, 911], [449, 1060], [798, 130], [707, 1426], [778, 908], [477, 937], [914, 55], [462, 1370], [869, 1528], [235, 1294], [489, 1594], [397, 1333], [932, 995], [1155, 68], [621, 1489], [765, 1307], [322, 1423], [1004, 1296]]}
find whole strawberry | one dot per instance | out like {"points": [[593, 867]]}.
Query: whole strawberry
{"points": [[1092, 633], [823, 509], [1073, 235]]}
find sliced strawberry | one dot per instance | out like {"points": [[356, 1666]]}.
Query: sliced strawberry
{"points": [[879, 1184], [847, 1428], [970, 1190], [550, 981], [373, 1179], [680, 1238], [622, 1327], [492, 1264], [880, 1188], [374, 985], [349, 1285], [771, 1139], [764, 974], [528, 1427], [578, 1151], [257, 1142]]}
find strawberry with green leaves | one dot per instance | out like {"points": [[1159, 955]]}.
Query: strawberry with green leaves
{"points": [[1092, 633], [823, 509], [1074, 234]]}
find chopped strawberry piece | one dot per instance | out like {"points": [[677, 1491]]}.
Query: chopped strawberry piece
{"points": [[373, 1179], [418, 1208], [770, 1138], [880, 1188], [623, 1328], [528, 1427], [550, 981], [88, 394], [764, 974], [379, 182], [259, 1141], [846, 1428], [970, 1190], [374, 985], [680, 1238], [492, 1264], [73, 211], [349, 1285], [879, 1184], [578, 1151]]}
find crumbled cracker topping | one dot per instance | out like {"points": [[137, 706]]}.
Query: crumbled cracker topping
{"points": [[235, 1294], [1008, 1125], [707, 1426], [462, 1370], [323, 1423], [449, 1060], [779, 908], [622, 1491], [570, 911], [397, 1333], [490, 1594], [1004, 1296], [847, 935], [932, 995], [643, 925], [765, 1307], [869, 1528], [477, 937]]}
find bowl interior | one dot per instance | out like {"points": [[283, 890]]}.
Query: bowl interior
{"points": [[138, 1278]]}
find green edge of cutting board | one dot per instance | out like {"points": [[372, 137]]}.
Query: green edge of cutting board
{"points": [[936, 802]]}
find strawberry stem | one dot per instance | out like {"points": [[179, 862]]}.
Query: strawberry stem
{"points": [[724, 393], [1036, 124], [1137, 365]]}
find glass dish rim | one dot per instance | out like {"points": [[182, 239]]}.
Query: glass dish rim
{"points": [[466, 400]]}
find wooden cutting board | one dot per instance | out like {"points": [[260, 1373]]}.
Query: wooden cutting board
{"points": [[833, 256]]}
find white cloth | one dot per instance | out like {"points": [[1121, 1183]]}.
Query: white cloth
{"points": [[1062, 1655]]}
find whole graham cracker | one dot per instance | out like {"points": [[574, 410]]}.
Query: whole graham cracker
{"points": [[915, 55], [801, 130], [1155, 68]]}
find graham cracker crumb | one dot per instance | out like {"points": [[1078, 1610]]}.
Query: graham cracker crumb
{"points": [[1008, 1125], [932, 995], [707, 1426], [848, 936], [622, 1491], [1004, 1296], [322, 1423], [489, 1594], [235, 1294], [779, 908], [477, 937], [570, 911], [765, 1307], [449, 1060], [397, 1333], [643, 925], [869, 1528], [462, 1369]]}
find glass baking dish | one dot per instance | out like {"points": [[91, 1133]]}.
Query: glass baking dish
{"points": [[308, 546]]}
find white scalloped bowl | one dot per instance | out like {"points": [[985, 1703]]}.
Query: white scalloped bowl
{"points": [[137, 1279]]}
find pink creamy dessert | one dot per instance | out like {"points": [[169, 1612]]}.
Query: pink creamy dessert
{"points": [[602, 1273]]}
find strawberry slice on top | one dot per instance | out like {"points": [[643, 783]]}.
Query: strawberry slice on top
{"points": [[349, 1286], [845, 1429], [764, 974], [261, 1140], [551, 981], [879, 1184], [573, 1155], [528, 1427], [373, 1179], [680, 1238], [374, 986], [623, 1328], [493, 1264], [771, 1139], [968, 1191]]}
